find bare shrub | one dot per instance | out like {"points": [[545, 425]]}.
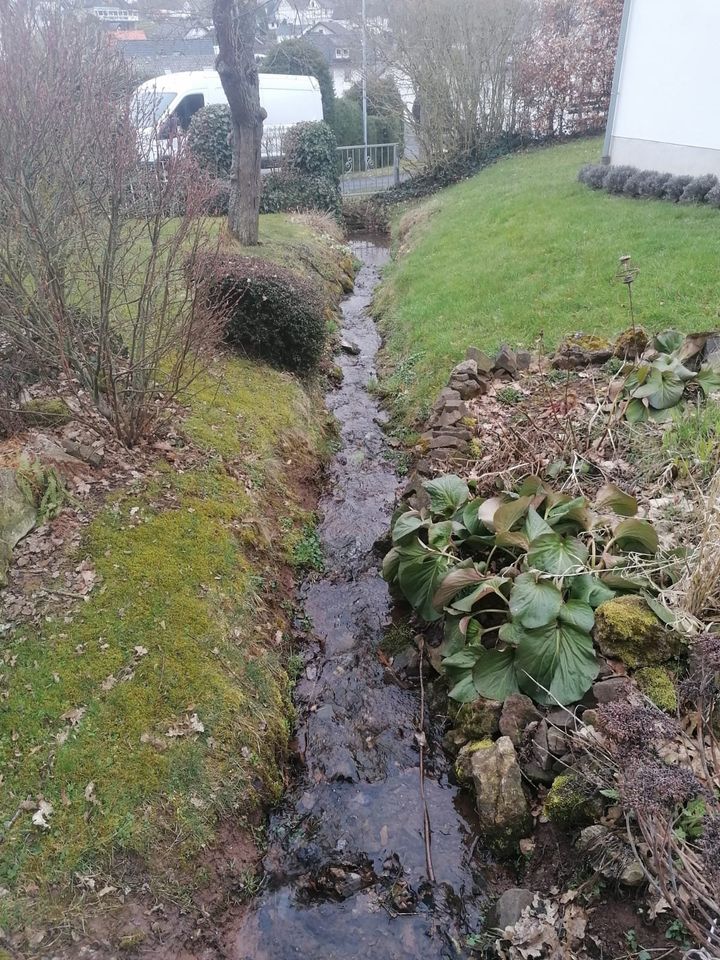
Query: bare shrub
{"points": [[93, 241], [593, 175], [699, 590], [698, 188], [618, 177], [675, 187], [652, 184]]}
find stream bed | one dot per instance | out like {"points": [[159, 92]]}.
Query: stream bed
{"points": [[349, 859]]}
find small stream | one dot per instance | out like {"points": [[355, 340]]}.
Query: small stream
{"points": [[346, 870]]}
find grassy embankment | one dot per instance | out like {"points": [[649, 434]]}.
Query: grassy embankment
{"points": [[195, 591], [524, 251]]}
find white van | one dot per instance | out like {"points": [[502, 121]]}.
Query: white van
{"points": [[164, 107]]}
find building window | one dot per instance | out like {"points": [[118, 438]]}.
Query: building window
{"points": [[342, 53]]}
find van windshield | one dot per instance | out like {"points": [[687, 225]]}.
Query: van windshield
{"points": [[148, 106]]}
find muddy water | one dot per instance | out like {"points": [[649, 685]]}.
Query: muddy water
{"points": [[347, 869]]}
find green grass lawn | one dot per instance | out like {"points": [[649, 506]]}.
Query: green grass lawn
{"points": [[523, 250]]}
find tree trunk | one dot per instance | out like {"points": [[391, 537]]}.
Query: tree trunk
{"points": [[235, 27]]}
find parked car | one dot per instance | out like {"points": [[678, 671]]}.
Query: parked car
{"points": [[163, 107]]}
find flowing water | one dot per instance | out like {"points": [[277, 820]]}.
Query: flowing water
{"points": [[347, 870]]}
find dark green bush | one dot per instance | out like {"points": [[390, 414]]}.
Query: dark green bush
{"points": [[617, 177], [386, 110], [289, 191], [593, 175], [210, 139], [653, 183], [311, 150], [269, 313], [300, 58]]}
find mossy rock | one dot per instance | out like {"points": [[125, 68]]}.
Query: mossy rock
{"points": [[658, 685], [479, 720], [626, 629], [631, 343], [570, 803], [463, 763], [46, 412]]}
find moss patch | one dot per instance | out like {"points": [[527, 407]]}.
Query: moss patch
{"points": [[161, 705], [657, 684], [627, 629], [570, 803]]}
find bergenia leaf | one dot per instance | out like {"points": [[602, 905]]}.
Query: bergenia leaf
{"points": [[557, 555], [611, 497], [556, 664], [494, 674], [534, 602], [636, 536], [447, 494], [577, 614], [668, 342], [487, 510], [407, 525], [511, 514], [419, 576], [457, 580]]}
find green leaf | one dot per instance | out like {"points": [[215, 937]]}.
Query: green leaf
{"points": [[454, 639], [513, 540], [577, 614], [668, 342], [648, 385], [622, 584], [560, 659], [511, 633], [660, 610], [390, 565], [636, 536], [471, 518], [562, 508], [464, 690], [535, 526], [407, 525], [440, 534], [494, 674], [531, 486], [457, 580], [669, 392], [557, 555], [464, 659], [611, 497], [708, 380], [534, 603], [447, 494], [636, 412], [588, 589], [511, 514], [491, 586], [419, 576]]}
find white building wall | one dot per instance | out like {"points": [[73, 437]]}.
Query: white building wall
{"points": [[667, 114]]}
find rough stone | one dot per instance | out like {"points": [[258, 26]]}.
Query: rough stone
{"points": [[466, 380], [627, 629], [608, 691], [501, 803], [448, 441], [563, 719], [506, 360], [517, 712], [540, 747], [509, 907], [83, 451], [524, 359], [17, 518], [448, 418], [610, 854], [570, 802], [349, 346], [483, 361], [582, 350]]}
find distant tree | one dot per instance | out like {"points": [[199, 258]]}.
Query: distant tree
{"points": [[301, 58], [563, 76], [235, 25], [386, 110]]}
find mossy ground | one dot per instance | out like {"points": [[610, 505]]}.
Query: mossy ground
{"points": [[187, 622]]}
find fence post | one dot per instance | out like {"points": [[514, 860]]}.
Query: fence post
{"points": [[396, 164]]}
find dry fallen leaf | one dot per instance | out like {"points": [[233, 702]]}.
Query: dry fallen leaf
{"points": [[40, 817]]}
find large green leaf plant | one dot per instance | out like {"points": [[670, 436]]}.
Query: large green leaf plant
{"points": [[517, 578], [653, 388]]}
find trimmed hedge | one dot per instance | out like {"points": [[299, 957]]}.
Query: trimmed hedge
{"points": [[269, 313], [210, 139], [632, 182], [283, 192], [311, 150]]}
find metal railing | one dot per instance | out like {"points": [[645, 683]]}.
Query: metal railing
{"points": [[364, 171]]}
